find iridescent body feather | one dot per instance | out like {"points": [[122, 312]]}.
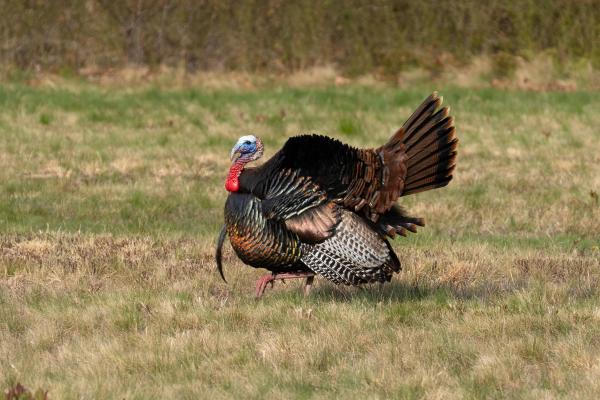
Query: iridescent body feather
{"points": [[320, 205]]}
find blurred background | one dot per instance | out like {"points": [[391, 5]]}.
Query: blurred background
{"points": [[382, 37]]}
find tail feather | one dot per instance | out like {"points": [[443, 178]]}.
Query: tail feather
{"points": [[431, 103], [432, 133], [438, 164], [430, 142], [396, 222]]}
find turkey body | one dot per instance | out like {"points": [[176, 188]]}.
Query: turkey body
{"points": [[355, 254], [257, 240], [320, 205]]}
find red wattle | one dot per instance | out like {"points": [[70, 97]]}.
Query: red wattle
{"points": [[232, 184]]}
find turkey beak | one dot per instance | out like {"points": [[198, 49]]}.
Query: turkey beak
{"points": [[235, 153]]}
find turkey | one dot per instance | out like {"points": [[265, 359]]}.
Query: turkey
{"points": [[322, 207]]}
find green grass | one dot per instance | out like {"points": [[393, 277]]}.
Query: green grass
{"points": [[111, 200]]}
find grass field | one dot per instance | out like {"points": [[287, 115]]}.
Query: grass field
{"points": [[111, 200]]}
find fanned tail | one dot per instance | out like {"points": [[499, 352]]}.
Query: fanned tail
{"points": [[430, 144]]}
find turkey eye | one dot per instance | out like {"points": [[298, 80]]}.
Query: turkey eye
{"points": [[247, 142]]}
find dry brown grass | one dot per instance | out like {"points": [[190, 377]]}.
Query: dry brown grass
{"points": [[110, 201], [139, 317]]}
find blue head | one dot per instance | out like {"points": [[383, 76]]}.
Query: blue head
{"points": [[248, 148]]}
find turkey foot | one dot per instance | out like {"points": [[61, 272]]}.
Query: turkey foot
{"points": [[261, 284]]}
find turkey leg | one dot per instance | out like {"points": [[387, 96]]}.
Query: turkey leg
{"points": [[261, 284]]}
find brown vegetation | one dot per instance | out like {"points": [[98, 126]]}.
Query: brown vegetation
{"points": [[356, 36]]}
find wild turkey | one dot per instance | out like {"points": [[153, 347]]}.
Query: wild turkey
{"points": [[319, 206]]}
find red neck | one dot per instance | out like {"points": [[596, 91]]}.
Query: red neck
{"points": [[232, 183]]}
